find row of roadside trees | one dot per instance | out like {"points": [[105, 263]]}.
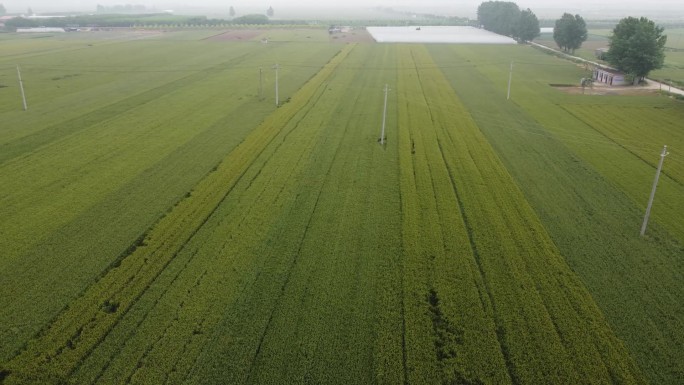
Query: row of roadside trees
{"points": [[636, 46]]}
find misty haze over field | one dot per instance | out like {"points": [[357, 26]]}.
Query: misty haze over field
{"points": [[658, 9]]}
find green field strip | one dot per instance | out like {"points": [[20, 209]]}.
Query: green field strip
{"points": [[140, 345], [389, 358], [159, 247], [630, 172], [70, 106], [66, 89], [331, 291], [622, 168], [54, 76], [445, 295], [30, 47], [303, 285], [74, 246], [593, 222], [670, 185], [544, 306], [109, 226], [252, 197], [156, 95], [206, 237], [65, 177], [94, 230], [640, 131], [319, 35], [311, 292]]}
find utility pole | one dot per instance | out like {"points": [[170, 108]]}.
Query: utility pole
{"points": [[276, 85], [384, 117], [261, 84], [21, 87], [510, 77], [653, 190]]}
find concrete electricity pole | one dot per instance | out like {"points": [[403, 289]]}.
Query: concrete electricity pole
{"points": [[276, 85], [510, 77], [21, 86], [653, 190], [384, 117], [261, 83]]}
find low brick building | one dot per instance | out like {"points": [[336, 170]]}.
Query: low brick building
{"points": [[610, 77]]}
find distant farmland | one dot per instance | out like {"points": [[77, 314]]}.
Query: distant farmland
{"points": [[163, 222]]}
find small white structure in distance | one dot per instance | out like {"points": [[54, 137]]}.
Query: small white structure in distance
{"points": [[456, 35]]}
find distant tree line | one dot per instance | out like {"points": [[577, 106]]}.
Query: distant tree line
{"points": [[127, 8], [506, 18], [251, 19], [107, 20], [127, 21]]}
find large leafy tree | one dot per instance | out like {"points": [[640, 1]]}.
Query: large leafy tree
{"points": [[570, 32], [637, 46], [527, 26], [505, 18], [231, 12], [3, 11], [270, 12], [499, 16]]}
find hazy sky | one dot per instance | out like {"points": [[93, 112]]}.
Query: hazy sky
{"points": [[674, 9]]}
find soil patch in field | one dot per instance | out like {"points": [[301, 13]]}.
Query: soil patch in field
{"points": [[602, 89], [353, 36]]}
